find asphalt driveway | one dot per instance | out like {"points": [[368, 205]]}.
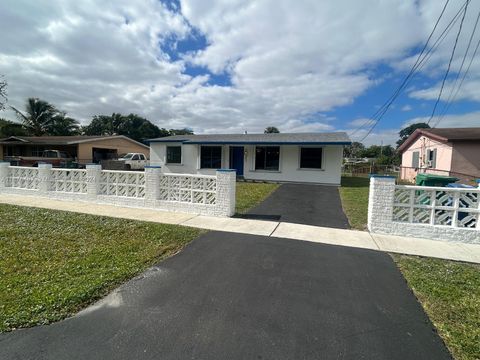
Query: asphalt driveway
{"points": [[235, 296], [317, 205]]}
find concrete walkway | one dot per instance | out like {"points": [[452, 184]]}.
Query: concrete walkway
{"points": [[341, 237]]}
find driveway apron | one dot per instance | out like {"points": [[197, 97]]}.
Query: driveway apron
{"points": [[236, 296]]}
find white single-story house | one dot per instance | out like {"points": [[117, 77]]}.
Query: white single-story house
{"points": [[300, 157]]}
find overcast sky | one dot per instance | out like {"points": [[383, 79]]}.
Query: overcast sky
{"points": [[231, 66]]}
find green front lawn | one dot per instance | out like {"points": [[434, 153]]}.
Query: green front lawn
{"points": [[354, 195], [250, 194], [450, 294], [53, 263]]}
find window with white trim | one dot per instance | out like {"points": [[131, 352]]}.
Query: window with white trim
{"points": [[432, 158]]}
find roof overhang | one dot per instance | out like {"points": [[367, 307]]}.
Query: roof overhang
{"points": [[191, 142], [416, 134]]}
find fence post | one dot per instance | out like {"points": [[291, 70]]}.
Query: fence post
{"points": [[4, 171], [44, 178], [94, 172], [152, 183], [380, 203], [226, 188]]}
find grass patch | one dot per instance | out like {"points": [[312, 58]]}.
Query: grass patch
{"points": [[354, 195], [250, 194], [53, 263], [450, 294]]}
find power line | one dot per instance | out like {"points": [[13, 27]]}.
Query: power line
{"points": [[449, 64], [422, 58], [420, 64], [453, 95], [416, 66]]}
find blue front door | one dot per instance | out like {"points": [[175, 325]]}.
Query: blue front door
{"points": [[236, 159]]}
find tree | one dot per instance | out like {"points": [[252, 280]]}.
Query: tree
{"points": [[3, 92], [38, 116], [10, 128], [139, 128], [62, 125], [42, 118], [132, 125], [184, 131], [406, 132], [353, 150], [103, 125], [271, 130]]}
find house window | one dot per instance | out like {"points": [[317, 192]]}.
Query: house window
{"points": [[210, 157], [267, 158], [174, 154], [37, 150], [432, 158], [311, 158], [415, 159]]}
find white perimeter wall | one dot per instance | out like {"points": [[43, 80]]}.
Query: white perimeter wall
{"points": [[289, 163]]}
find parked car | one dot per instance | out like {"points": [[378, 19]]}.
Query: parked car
{"points": [[55, 157], [134, 161]]}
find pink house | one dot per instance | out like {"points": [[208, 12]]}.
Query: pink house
{"points": [[447, 151]]}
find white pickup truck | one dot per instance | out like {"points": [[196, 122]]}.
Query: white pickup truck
{"points": [[134, 161]]}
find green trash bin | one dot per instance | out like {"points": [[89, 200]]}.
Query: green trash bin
{"points": [[434, 180]]}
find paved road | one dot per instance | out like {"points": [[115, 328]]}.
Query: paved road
{"points": [[234, 296], [303, 204]]}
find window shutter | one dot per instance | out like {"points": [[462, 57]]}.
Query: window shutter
{"points": [[434, 158], [415, 159]]}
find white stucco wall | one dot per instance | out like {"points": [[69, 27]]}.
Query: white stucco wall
{"points": [[289, 169], [380, 217]]}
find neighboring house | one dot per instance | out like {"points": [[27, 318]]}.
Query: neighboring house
{"points": [[445, 151], [302, 157], [85, 149]]}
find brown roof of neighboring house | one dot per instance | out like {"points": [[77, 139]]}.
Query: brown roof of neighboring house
{"points": [[61, 140], [443, 135]]}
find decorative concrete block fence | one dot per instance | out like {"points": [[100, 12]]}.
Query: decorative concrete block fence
{"points": [[438, 213], [198, 194]]}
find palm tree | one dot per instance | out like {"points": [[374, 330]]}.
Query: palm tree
{"points": [[39, 116], [62, 125]]}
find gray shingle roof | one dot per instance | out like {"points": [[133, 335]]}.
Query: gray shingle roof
{"points": [[334, 138]]}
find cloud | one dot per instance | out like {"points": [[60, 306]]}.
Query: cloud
{"points": [[406, 108], [287, 61], [359, 122], [471, 119], [377, 137], [437, 64]]}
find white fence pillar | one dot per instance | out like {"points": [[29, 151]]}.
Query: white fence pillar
{"points": [[44, 178], [226, 186], [380, 202], [152, 184], [94, 172], [4, 171]]}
